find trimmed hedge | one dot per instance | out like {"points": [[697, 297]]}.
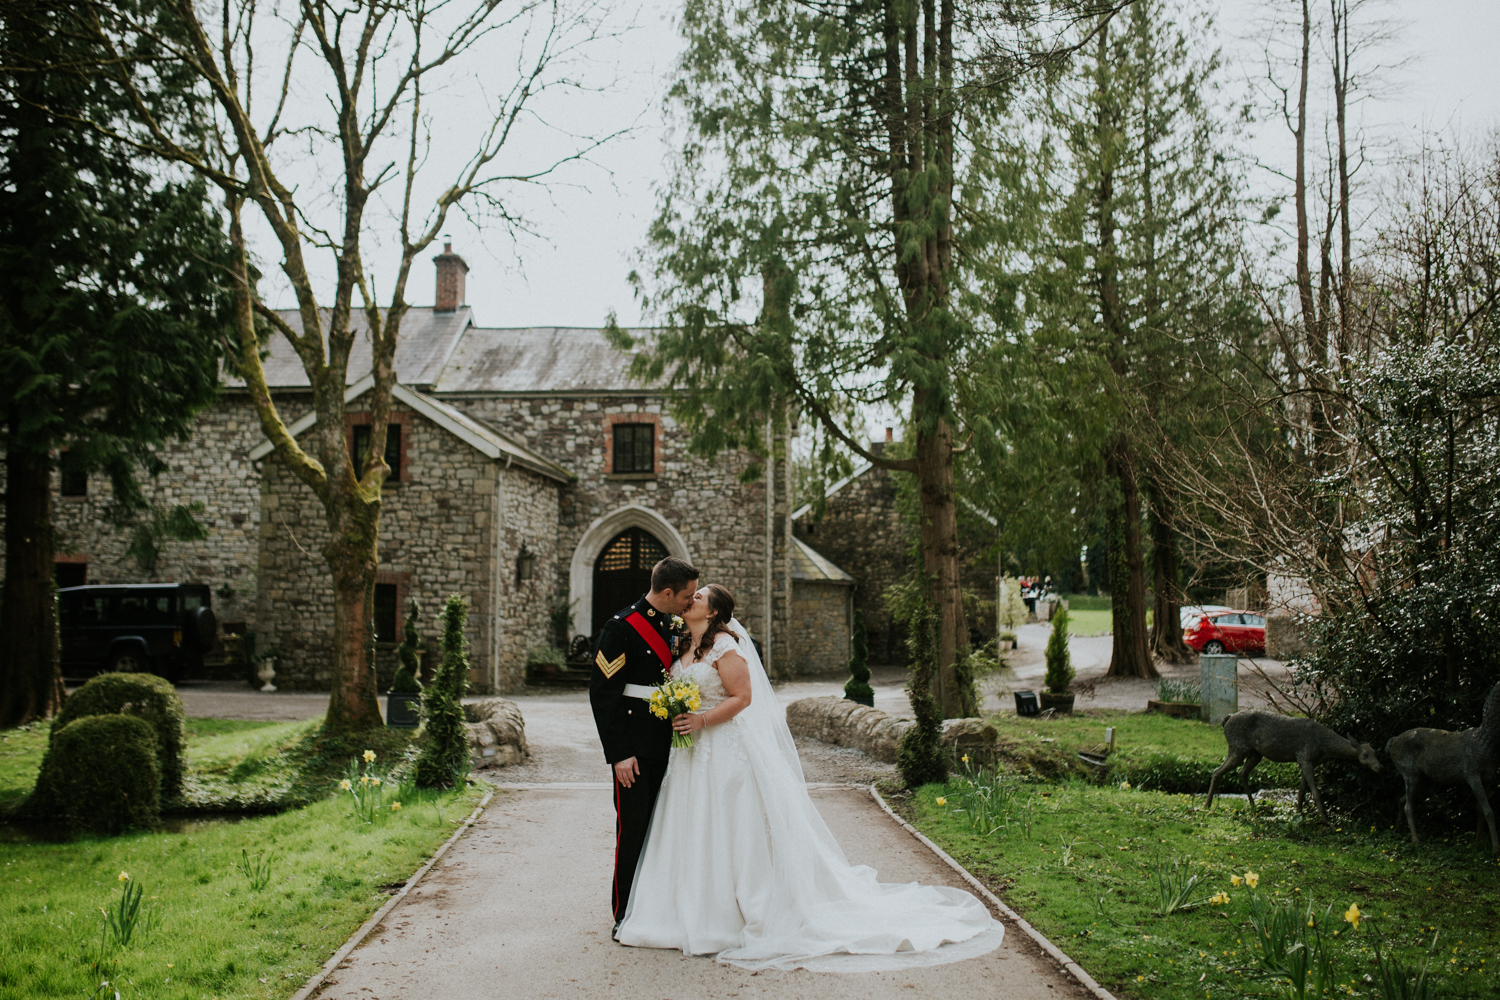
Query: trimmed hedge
{"points": [[1173, 773], [100, 774], [144, 696]]}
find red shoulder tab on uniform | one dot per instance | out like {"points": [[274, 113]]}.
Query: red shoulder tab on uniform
{"points": [[653, 638]]}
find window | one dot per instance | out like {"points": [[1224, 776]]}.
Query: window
{"points": [[135, 608], [74, 477], [635, 448], [385, 612], [71, 574], [392, 449], [1222, 620]]}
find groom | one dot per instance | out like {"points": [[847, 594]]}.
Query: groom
{"points": [[635, 647]]}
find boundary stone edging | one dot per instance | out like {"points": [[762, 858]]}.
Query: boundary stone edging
{"points": [[1073, 968], [314, 984]]}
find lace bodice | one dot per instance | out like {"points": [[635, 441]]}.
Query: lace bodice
{"points": [[705, 675]]}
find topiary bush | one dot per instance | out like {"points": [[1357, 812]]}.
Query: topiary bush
{"points": [[408, 675], [858, 686], [1059, 661], [444, 759], [100, 774], [144, 696], [920, 756]]}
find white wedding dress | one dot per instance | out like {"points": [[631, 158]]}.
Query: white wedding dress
{"points": [[739, 864]]}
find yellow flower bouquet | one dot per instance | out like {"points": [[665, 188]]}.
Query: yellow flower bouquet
{"points": [[670, 699]]}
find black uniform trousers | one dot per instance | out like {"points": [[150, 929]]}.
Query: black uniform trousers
{"points": [[633, 808]]}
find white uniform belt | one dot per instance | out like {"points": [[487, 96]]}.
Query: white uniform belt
{"points": [[638, 691]]}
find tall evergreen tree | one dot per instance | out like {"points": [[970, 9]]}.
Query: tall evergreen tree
{"points": [[1147, 262], [840, 233], [112, 311]]}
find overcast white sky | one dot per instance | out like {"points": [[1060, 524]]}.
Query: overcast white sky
{"points": [[594, 220]]}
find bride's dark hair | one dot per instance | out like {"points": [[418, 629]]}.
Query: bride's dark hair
{"points": [[720, 610]]}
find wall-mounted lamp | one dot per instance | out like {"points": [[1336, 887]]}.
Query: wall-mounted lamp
{"points": [[525, 564]]}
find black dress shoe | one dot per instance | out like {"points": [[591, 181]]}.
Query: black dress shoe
{"points": [[616, 932]]}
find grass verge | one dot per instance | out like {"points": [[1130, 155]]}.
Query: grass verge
{"points": [[214, 935], [1076, 860]]}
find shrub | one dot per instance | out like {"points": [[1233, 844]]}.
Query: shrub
{"points": [[920, 756], [407, 679], [1059, 662], [1162, 771], [546, 656], [858, 685], [144, 696], [100, 774], [445, 746]]}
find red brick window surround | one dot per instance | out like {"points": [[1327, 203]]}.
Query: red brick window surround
{"points": [[397, 419], [391, 590], [611, 420]]}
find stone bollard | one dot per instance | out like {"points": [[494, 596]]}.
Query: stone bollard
{"points": [[1220, 686]]}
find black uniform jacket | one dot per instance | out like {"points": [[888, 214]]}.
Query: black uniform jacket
{"points": [[626, 726]]}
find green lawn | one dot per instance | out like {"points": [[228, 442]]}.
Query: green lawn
{"points": [[214, 937], [1088, 622], [1074, 858]]}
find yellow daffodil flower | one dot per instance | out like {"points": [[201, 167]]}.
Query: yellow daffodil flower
{"points": [[395, 806], [1125, 786], [369, 756], [1219, 898], [345, 784], [1252, 879], [1353, 915], [1235, 881], [124, 877], [374, 781], [942, 801], [965, 758]]}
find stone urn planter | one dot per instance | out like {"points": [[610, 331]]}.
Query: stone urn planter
{"points": [[403, 709], [266, 671], [1060, 704]]}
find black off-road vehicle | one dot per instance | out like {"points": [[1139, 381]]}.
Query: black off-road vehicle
{"points": [[161, 628]]}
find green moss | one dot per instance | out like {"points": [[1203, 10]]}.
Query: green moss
{"points": [[145, 696], [100, 774]]}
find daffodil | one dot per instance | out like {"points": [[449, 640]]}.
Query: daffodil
{"points": [[1125, 786], [1252, 879], [1219, 898], [1353, 915], [965, 758], [395, 806], [942, 801], [1235, 881], [345, 785], [374, 781], [369, 756], [124, 877]]}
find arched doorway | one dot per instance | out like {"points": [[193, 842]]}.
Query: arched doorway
{"points": [[622, 573]]}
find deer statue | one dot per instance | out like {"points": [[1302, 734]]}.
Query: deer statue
{"points": [[1469, 757], [1254, 734]]}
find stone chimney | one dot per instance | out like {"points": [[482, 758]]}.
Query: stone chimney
{"points": [[451, 272]]}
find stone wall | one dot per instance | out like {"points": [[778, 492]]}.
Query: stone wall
{"points": [[440, 534], [721, 520], [822, 624], [528, 516], [862, 533], [211, 468]]}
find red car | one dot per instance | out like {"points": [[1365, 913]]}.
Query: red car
{"points": [[1227, 632]]}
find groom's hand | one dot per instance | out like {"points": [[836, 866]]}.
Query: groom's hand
{"points": [[626, 771]]}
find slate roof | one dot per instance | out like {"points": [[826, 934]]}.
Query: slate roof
{"points": [[808, 564], [536, 359], [447, 353]]}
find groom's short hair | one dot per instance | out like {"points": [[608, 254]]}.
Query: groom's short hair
{"points": [[672, 574]]}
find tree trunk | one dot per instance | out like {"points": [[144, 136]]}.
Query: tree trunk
{"points": [[1166, 609], [1127, 568], [940, 562], [351, 556], [31, 684]]}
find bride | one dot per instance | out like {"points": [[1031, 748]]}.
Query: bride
{"points": [[739, 863]]}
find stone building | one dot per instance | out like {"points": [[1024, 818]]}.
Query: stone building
{"points": [[529, 471]]}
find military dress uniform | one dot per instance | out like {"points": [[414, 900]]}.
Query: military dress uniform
{"points": [[635, 649]]}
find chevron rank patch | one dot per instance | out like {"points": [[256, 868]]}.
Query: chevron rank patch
{"points": [[609, 667]]}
